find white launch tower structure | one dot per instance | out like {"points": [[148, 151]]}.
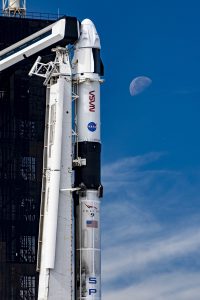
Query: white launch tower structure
{"points": [[14, 7], [68, 271]]}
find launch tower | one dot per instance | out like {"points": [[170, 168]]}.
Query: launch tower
{"points": [[22, 122], [14, 7]]}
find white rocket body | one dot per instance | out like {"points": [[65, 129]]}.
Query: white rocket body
{"points": [[87, 73], [88, 107], [88, 128], [88, 252]]}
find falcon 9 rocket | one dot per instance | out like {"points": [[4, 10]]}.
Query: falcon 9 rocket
{"points": [[88, 69]]}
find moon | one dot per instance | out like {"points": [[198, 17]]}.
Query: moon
{"points": [[139, 85]]}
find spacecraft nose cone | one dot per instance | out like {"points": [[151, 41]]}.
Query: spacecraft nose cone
{"points": [[89, 37], [87, 22]]}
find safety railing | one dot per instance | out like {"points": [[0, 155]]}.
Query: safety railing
{"points": [[32, 15]]}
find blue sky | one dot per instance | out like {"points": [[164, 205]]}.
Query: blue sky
{"points": [[151, 145]]}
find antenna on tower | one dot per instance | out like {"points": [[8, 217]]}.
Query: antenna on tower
{"points": [[14, 7]]}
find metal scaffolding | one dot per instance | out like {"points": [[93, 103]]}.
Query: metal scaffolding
{"points": [[22, 119], [21, 147], [22, 109]]}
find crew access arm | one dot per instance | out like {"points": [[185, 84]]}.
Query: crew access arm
{"points": [[57, 33]]}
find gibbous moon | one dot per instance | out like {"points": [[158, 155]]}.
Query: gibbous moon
{"points": [[139, 85]]}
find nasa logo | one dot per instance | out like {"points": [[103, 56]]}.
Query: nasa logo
{"points": [[92, 101], [92, 126]]}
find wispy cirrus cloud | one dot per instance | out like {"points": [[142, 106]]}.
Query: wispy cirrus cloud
{"points": [[134, 173], [132, 256], [141, 247], [128, 164], [138, 180], [168, 286]]}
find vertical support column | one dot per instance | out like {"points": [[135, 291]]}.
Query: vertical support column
{"points": [[55, 280], [60, 282]]}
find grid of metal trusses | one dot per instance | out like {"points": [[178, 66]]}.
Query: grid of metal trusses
{"points": [[21, 146]]}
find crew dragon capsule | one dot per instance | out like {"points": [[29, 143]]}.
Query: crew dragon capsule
{"points": [[88, 69]]}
